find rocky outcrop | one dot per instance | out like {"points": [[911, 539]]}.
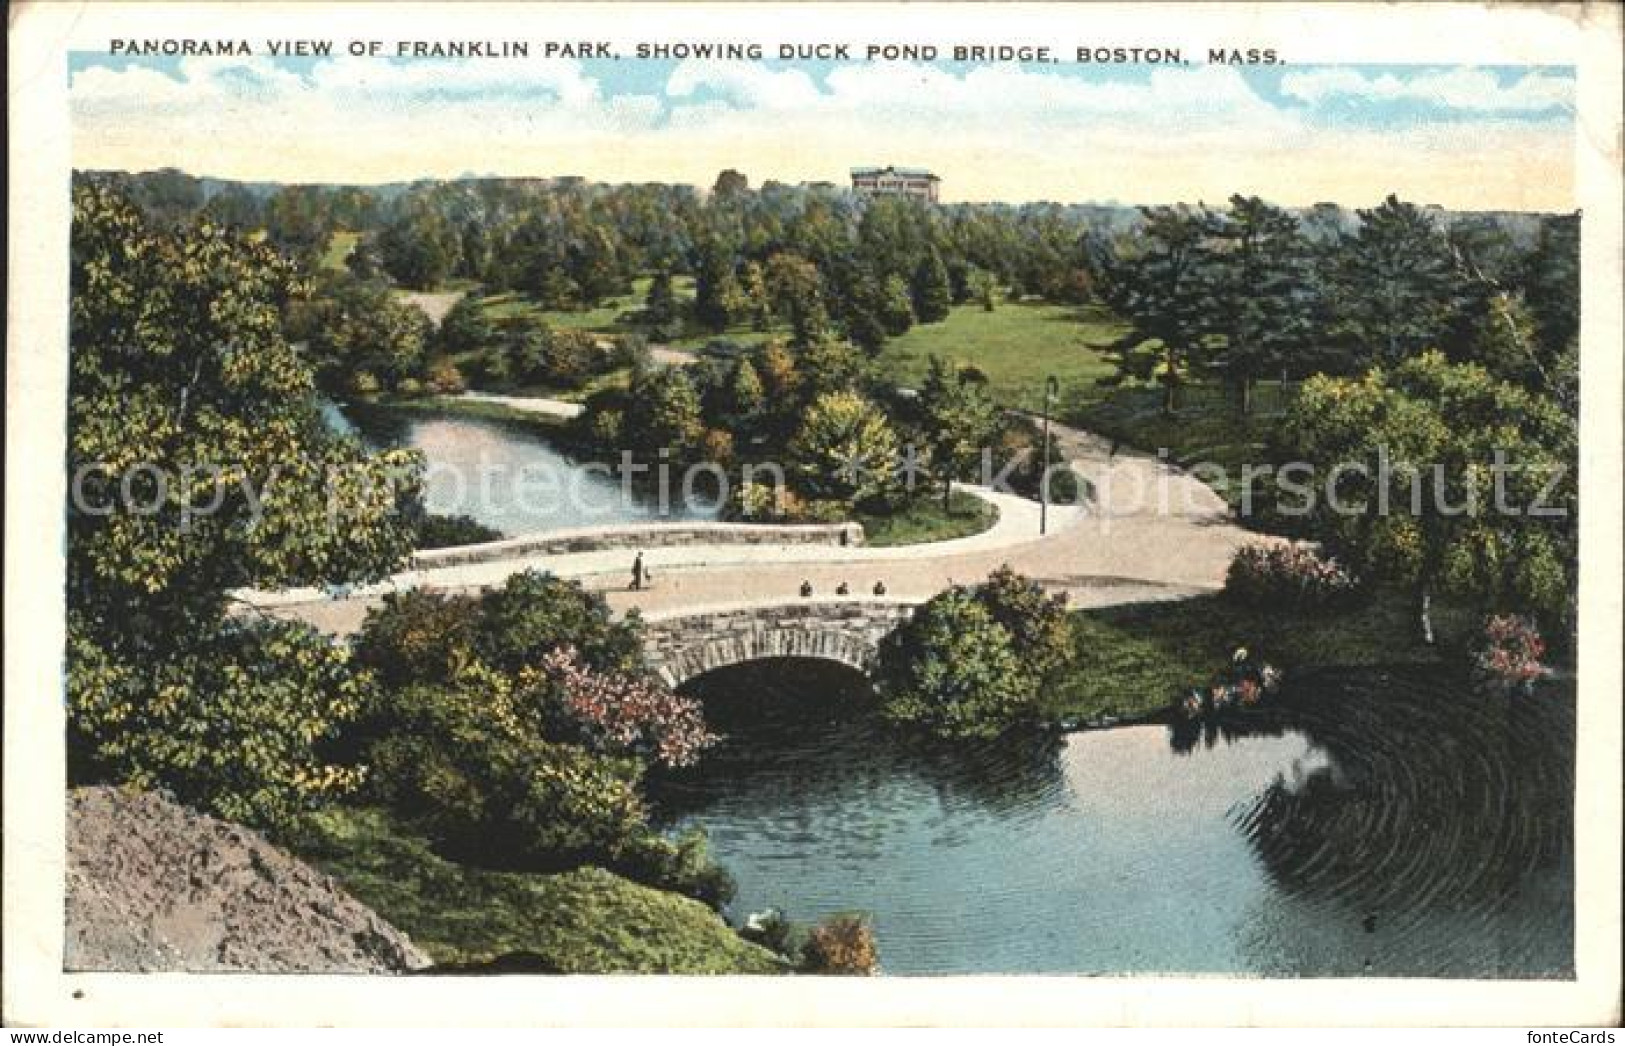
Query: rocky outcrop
{"points": [[153, 886]]}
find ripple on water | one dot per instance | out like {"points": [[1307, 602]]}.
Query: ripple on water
{"points": [[1387, 823]]}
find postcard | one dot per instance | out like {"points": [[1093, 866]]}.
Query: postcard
{"points": [[813, 514]]}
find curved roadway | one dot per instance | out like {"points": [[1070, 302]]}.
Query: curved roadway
{"points": [[1151, 532]]}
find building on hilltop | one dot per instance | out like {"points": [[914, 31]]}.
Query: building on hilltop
{"points": [[896, 181]]}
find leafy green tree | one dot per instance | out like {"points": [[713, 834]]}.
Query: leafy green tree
{"points": [[844, 450], [955, 671], [830, 365], [197, 464], [745, 396], [1445, 480], [717, 295], [730, 183], [930, 288], [959, 419], [893, 307], [465, 328], [663, 411], [797, 289], [660, 304], [758, 301]]}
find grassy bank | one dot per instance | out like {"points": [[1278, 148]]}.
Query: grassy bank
{"points": [[583, 921], [924, 520], [1138, 659]]}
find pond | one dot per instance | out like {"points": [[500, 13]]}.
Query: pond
{"points": [[507, 476], [1381, 823]]}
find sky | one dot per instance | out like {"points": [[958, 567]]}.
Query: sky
{"points": [[1458, 136]]}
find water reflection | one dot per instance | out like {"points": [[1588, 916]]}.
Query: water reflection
{"points": [[1376, 823], [1436, 842], [507, 476]]}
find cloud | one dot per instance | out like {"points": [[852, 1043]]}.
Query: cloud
{"points": [[1462, 90], [993, 132]]}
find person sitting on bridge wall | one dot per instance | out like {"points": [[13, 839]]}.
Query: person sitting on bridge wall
{"points": [[806, 589]]}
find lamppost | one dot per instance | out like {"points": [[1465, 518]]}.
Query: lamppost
{"points": [[1051, 387]]}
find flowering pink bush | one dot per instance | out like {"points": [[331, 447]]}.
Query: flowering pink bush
{"points": [[1510, 651], [623, 713], [1277, 573]]}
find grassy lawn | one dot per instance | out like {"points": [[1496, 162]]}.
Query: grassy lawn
{"points": [[924, 520], [339, 248], [1017, 345], [583, 921], [1137, 659], [606, 317]]}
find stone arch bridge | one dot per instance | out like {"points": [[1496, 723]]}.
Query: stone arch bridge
{"points": [[680, 645]]}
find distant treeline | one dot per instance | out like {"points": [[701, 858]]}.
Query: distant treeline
{"points": [[1238, 292]]}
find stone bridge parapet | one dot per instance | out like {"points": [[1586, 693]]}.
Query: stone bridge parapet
{"points": [[640, 536], [682, 645]]}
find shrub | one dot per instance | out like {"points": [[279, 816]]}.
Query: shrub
{"points": [[953, 670], [444, 378], [418, 636], [1279, 574], [620, 714], [1508, 654], [1040, 629], [239, 724], [441, 531], [841, 944], [717, 447], [683, 865], [760, 502], [468, 766], [409, 387], [365, 383]]}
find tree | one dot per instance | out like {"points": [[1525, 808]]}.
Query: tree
{"points": [[1552, 283], [830, 365], [1394, 283], [663, 411], [892, 306], [745, 399], [1264, 305], [198, 464], [758, 302], [959, 420], [954, 671], [730, 183], [717, 296], [930, 289], [1161, 282], [660, 304], [845, 449], [798, 295], [1445, 480], [464, 328]]}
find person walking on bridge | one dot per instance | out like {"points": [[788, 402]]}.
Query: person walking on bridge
{"points": [[639, 575]]}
